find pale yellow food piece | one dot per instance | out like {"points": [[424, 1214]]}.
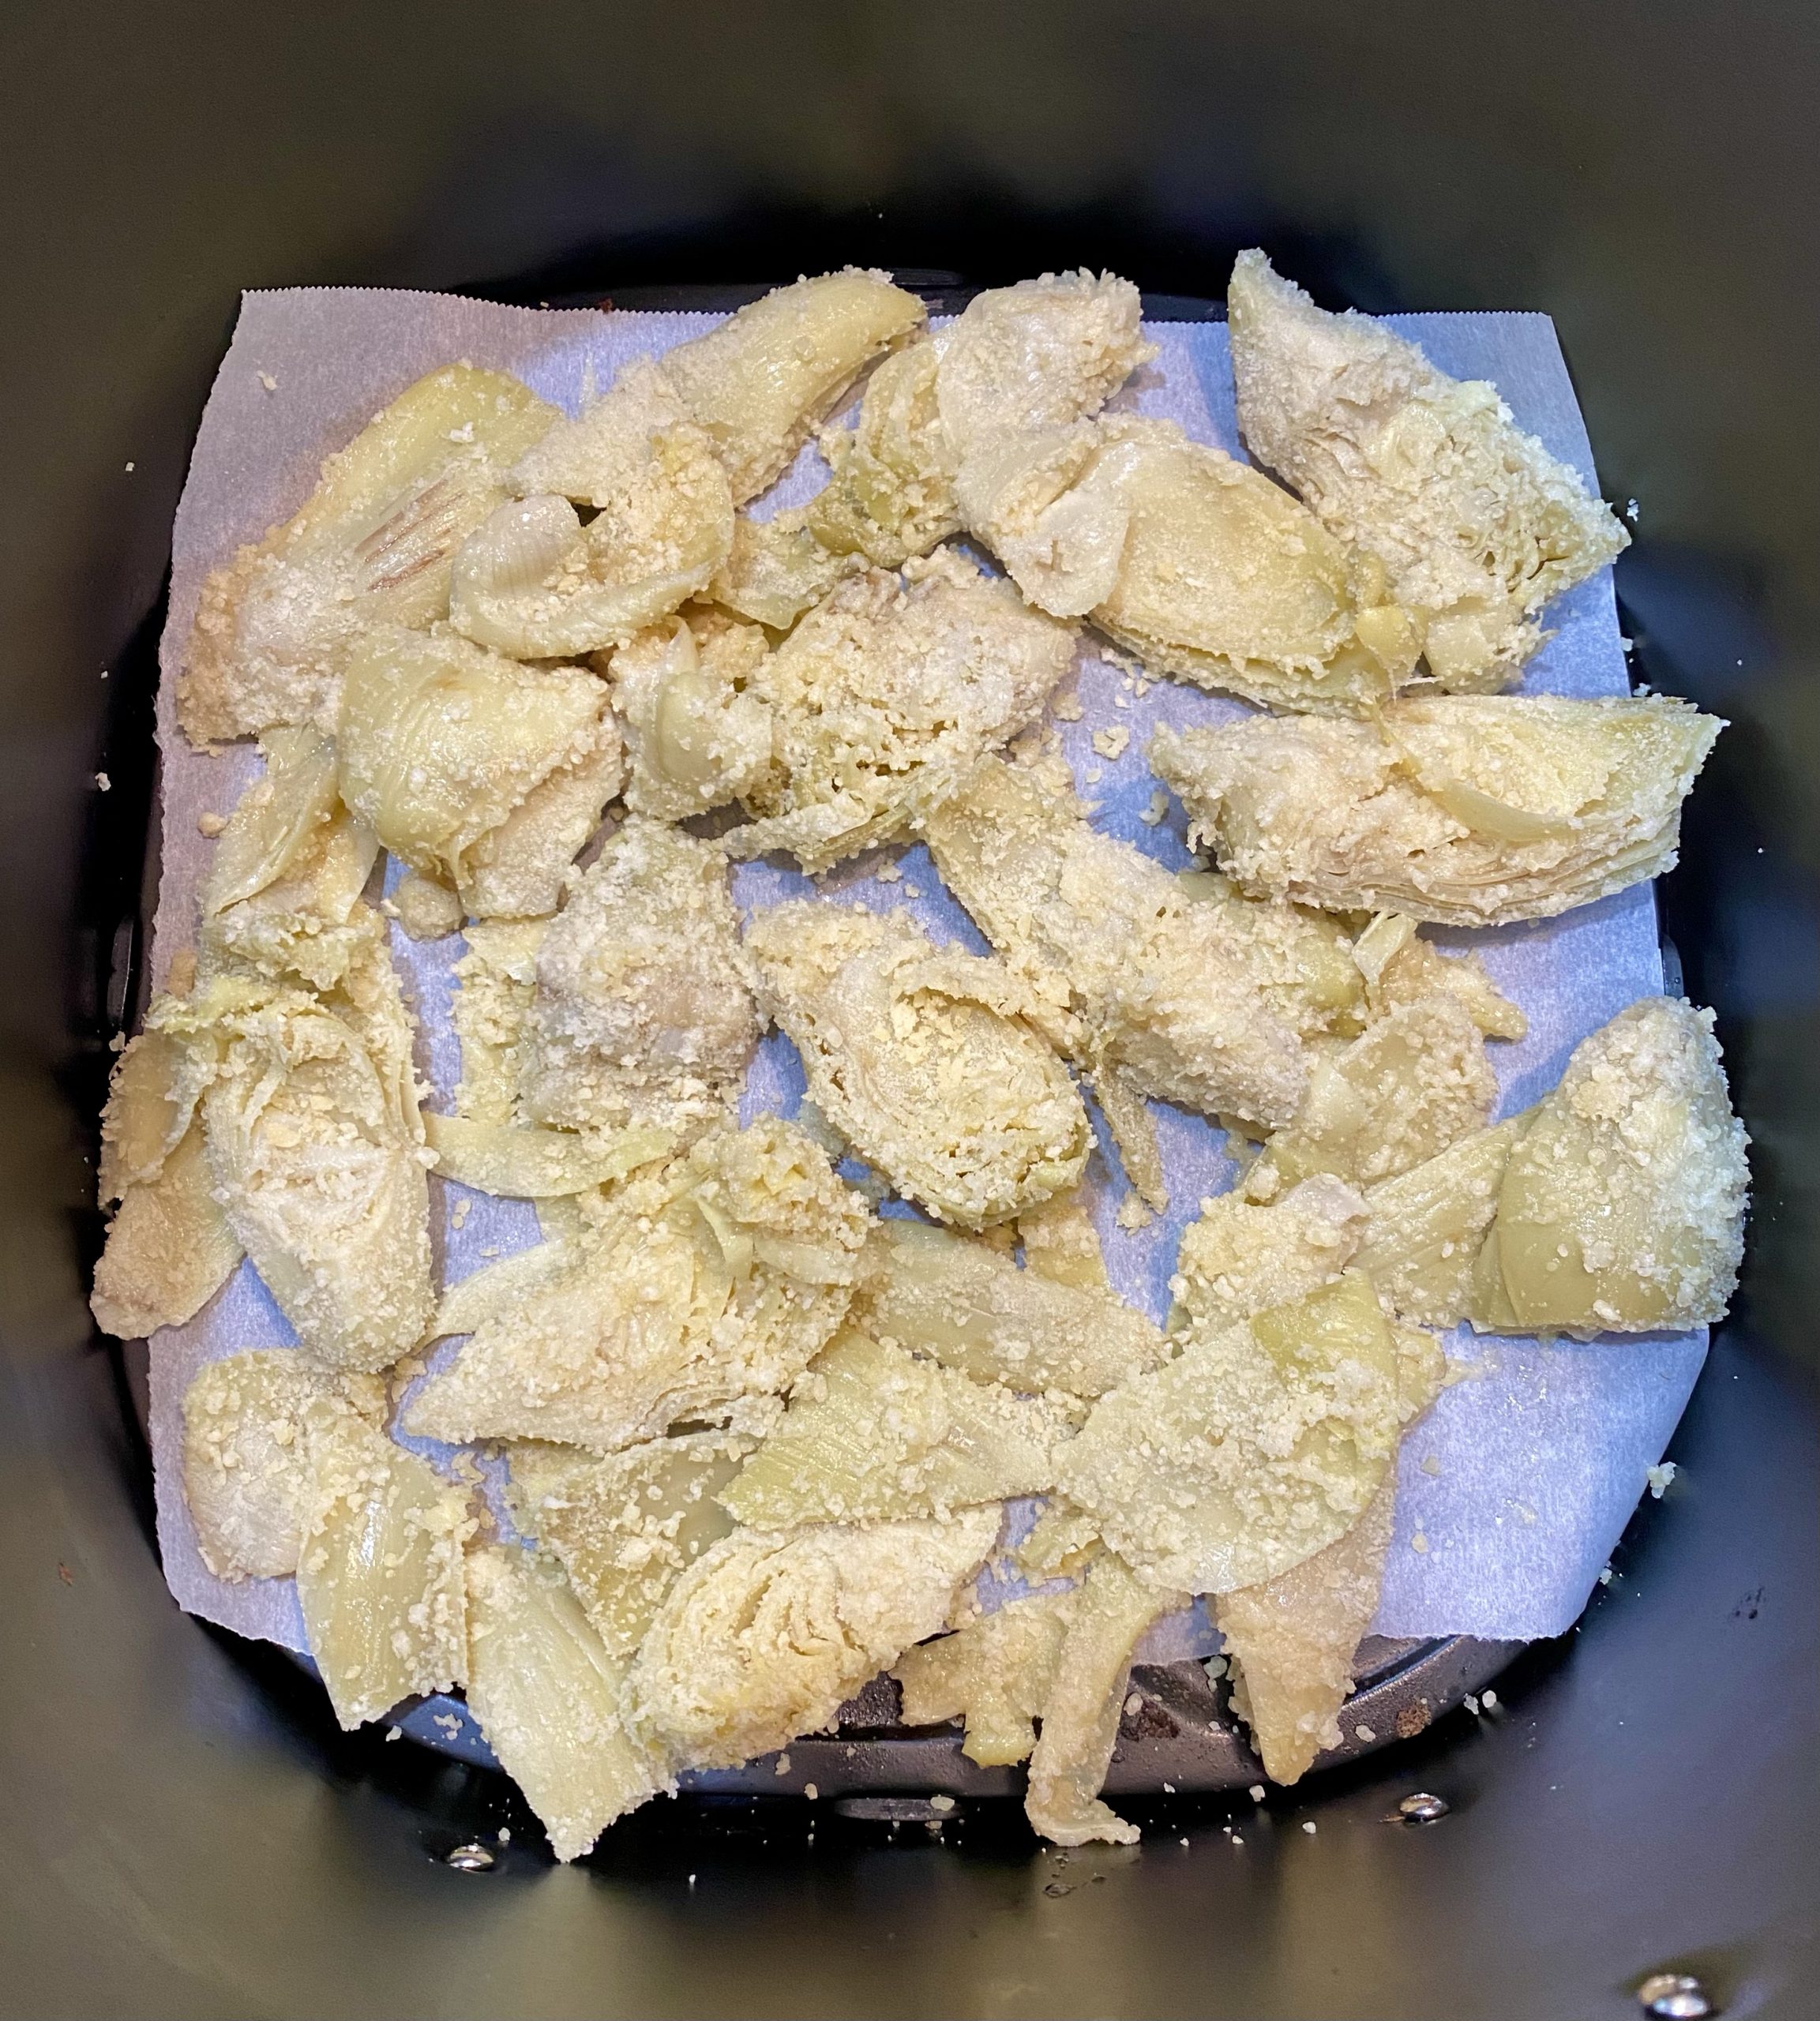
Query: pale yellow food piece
{"points": [[1080, 1715], [248, 1475], [956, 1299], [1059, 1242], [696, 737], [1414, 1082], [997, 1673], [1399, 966], [874, 1434], [1472, 810], [626, 1527], [769, 1632], [283, 893], [641, 1016], [919, 1058], [372, 545], [547, 1697], [497, 974], [884, 696], [780, 567], [708, 1283], [426, 908], [1622, 1208], [523, 1163], [379, 1572], [534, 581], [1425, 1227], [1240, 1258], [891, 495], [1297, 1637], [151, 1100], [443, 745], [1039, 354], [761, 382], [1477, 525], [1195, 1001], [1062, 1541], [313, 1144], [168, 1248], [1197, 563], [1258, 1446]]}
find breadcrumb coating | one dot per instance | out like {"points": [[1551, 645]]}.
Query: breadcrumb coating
{"points": [[884, 696], [640, 1015]]}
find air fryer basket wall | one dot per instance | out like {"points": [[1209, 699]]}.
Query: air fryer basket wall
{"points": [[187, 1833]]}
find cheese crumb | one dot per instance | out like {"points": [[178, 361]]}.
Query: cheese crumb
{"points": [[783, 1768], [1419, 1542], [1111, 743], [102, 783], [267, 380], [1309, 1827], [1256, 1793], [1365, 1734], [1159, 806], [1067, 708], [810, 1791], [1659, 1477], [889, 873], [1430, 1464]]}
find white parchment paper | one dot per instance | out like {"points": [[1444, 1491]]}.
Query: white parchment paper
{"points": [[1518, 1482]]}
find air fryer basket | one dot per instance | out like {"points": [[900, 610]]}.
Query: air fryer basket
{"points": [[189, 1834]]}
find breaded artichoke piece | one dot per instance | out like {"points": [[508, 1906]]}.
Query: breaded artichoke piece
{"points": [[778, 568], [922, 1058], [372, 545], [891, 495], [873, 1434], [997, 1673], [1425, 1228], [884, 696], [315, 1149], [1622, 1207], [1257, 1447], [1080, 1715], [696, 736], [1197, 563], [1037, 355], [1297, 1639], [1477, 524], [534, 581], [247, 1472], [169, 1248], [283, 894], [704, 1284], [640, 1016], [965, 1305], [379, 1570], [1240, 1258], [769, 1632], [443, 747], [626, 1527], [1415, 1082], [1203, 1004], [1469, 810], [547, 1696], [761, 382]]}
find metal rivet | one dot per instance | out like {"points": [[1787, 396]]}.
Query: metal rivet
{"points": [[1422, 1808], [470, 1858], [1674, 1996]]}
